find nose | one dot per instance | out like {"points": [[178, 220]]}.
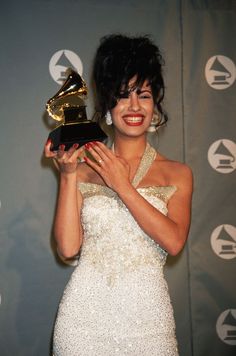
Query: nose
{"points": [[134, 104]]}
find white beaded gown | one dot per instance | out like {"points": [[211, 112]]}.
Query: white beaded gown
{"points": [[116, 301]]}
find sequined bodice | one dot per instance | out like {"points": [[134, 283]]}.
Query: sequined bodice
{"points": [[113, 241]]}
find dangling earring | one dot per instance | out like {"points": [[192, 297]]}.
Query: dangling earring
{"points": [[154, 123], [108, 118]]}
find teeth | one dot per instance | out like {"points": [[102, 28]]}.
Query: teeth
{"points": [[134, 119]]}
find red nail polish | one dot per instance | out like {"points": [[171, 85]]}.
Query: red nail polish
{"points": [[75, 145], [86, 159], [87, 145]]}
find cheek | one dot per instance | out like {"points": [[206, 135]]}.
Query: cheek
{"points": [[148, 105], [150, 109], [150, 114], [117, 110]]}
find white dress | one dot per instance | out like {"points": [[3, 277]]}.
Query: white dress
{"points": [[117, 300]]}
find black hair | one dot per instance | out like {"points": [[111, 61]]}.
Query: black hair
{"points": [[118, 59]]}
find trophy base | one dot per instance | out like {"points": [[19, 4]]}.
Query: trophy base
{"points": [[81, 133]]}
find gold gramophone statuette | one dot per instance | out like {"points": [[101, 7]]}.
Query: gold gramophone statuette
{"points": [[67, 107]]}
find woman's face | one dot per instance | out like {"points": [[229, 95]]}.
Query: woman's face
{"points": [[133, 112]]}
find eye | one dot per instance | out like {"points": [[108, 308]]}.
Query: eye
{"points": [[145, 95]]}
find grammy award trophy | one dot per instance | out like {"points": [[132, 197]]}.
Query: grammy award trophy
{"points": [[67, 107]]}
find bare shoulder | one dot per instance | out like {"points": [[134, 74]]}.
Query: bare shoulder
{"points": [[175, 172], [180, 171]]}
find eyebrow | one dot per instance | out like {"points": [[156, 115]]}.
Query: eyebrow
{"points": [[138, 91]]}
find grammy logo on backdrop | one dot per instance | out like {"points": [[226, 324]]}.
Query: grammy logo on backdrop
{"points": [[222, 155], [228, 159], [223, 241], [226, 326], [67, 107], [228, 245], [231, 322], [222, 73]]}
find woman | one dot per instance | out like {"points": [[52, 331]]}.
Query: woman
{"points": [[112, 209]]}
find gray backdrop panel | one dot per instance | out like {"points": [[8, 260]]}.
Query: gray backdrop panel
{"points": [[32, 279]]}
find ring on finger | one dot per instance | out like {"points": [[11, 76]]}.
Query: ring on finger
{"points": [[100, 161]]}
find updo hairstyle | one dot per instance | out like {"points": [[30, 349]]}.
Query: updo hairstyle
{"points": [[120, 58]]}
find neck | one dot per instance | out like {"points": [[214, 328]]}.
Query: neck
{"points": [[130, 148]]}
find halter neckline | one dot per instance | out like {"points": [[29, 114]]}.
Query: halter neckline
{"points": [[146, 161]]}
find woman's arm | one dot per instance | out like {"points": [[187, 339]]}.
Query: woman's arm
{"points": [[67, 225], [171, 231]]}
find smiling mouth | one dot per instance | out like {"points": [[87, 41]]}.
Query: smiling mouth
{"points": [[133, 120]]}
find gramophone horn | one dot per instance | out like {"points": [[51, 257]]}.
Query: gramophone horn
{"points": [[73, 85]]}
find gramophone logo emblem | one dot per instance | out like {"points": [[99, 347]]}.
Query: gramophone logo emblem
{"points": [[223, 241], [226, 326], [220, 72], [222, 156], [61, 61]]}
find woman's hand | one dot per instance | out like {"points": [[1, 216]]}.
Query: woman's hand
{"points": [[113, 169], [65, 161]]}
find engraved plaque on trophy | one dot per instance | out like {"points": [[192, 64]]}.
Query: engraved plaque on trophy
{"points": [[67, 107]]}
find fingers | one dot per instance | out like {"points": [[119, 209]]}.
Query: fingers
{"points": [[76, 152], [99, 152], [61, 151], [47, 149], [65, 161], [99, 157], [73, 153], [96, 166], [101, 148], [112, 169]]}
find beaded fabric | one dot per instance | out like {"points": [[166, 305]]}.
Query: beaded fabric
{"points": [[148, 157], [117, 300]]}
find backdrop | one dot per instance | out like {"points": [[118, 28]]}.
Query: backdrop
{"points": [[39, 40]]}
